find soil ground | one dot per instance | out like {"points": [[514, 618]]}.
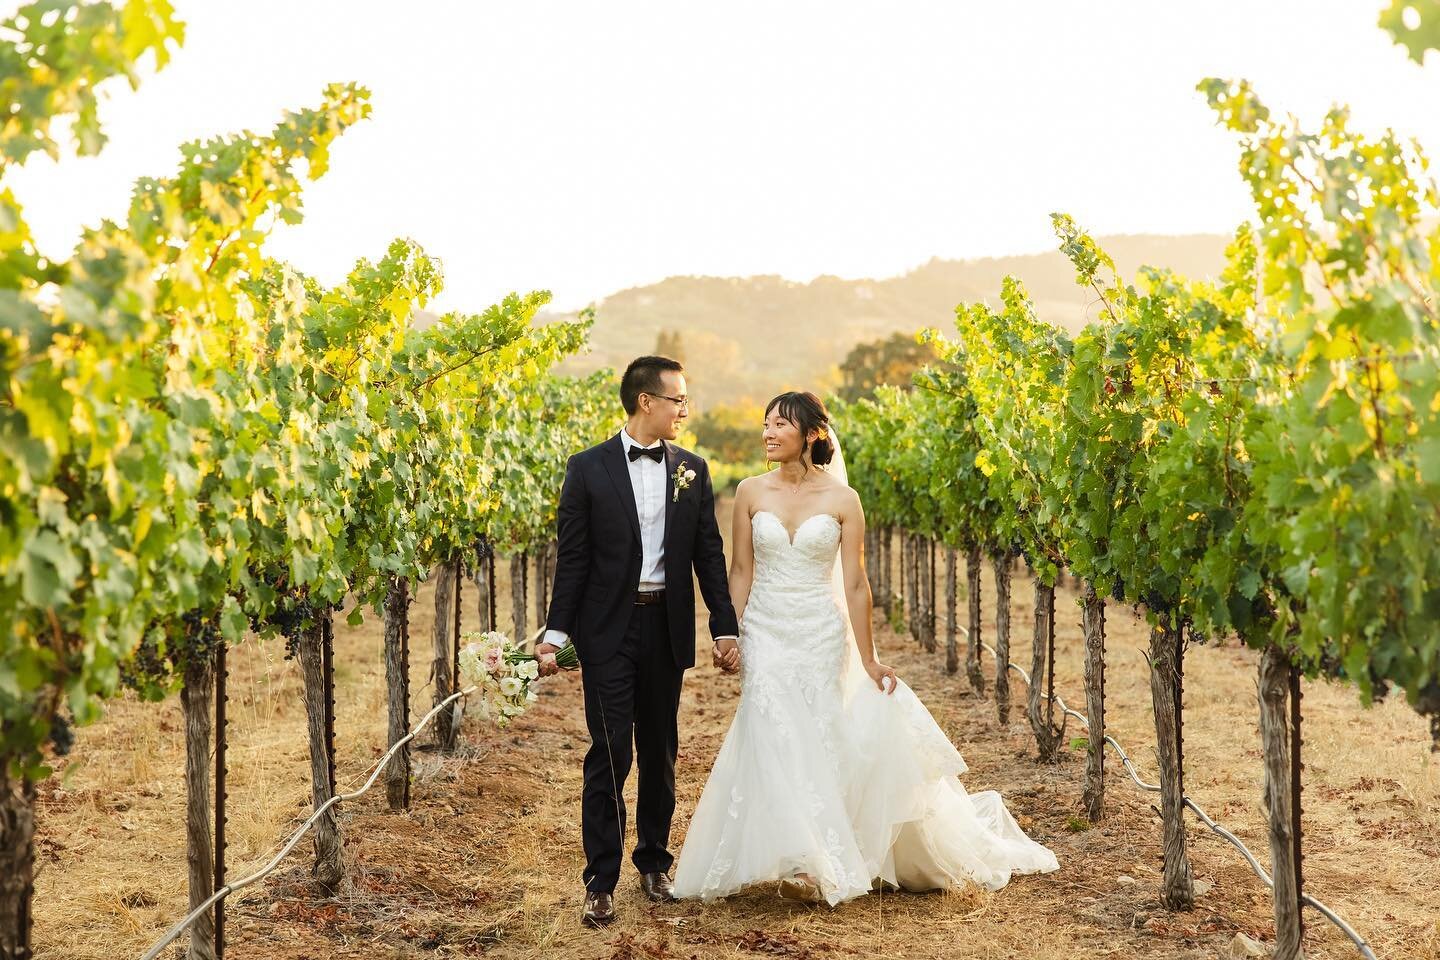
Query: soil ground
{"points": [[487, 861]]}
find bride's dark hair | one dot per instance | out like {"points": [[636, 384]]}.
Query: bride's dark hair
{"points": [[807, 412]]}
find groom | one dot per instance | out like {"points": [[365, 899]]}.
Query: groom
{"points": [[636, 515]]}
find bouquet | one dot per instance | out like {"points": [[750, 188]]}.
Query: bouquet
{"points": [[502, 674]]}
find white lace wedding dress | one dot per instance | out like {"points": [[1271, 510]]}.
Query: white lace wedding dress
{"points": [[821, 773]]}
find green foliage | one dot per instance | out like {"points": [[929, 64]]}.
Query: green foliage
{"points": [[198, 439], [1257, 455], [1154, 468], [1415, 25], [542, 427], [1346, 449], [912, 475], [60, 52], [1016, 366]]}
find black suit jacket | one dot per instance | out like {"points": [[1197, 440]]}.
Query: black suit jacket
{"points": [[597, 567]]}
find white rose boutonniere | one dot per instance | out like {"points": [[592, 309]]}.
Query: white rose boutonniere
{"points": [[682, 477]]}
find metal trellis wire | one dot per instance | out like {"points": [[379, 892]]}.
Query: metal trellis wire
{"points": [[234, 886], [1359, 941]]}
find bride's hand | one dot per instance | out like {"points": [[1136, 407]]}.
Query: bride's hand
{"points": [[878, 672]]}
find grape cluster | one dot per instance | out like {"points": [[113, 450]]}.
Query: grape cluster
{"points": [[202, 635], [62, 734], [145, 665], [291, 614]]}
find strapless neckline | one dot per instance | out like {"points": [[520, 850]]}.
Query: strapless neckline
{"points": [[788, 535]]}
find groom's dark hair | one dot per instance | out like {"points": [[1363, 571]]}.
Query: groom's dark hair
{"points": [[643, 376]]}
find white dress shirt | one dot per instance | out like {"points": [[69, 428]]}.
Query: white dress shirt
{"points": [[647, 479]]}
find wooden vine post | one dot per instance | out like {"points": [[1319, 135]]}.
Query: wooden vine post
{"points": [[17, 868], [931, 615], [457, 709], [1093, 625], [197, 706], [397, 685], [887, 559], [446, 682], [952, 615], [485, 585], [544, 571], [886, 595], [917, 590], [1280, 741], [222, 773], [972, 597], [907, 583], [327, 649], [1001, 563], [1167, 652], [872, 555], [329, 868], [1048, 737], [922, 613], [519, 568]]}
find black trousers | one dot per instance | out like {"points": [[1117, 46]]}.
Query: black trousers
{"points": [[632, 697]]}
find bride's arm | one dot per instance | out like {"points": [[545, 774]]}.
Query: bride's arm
{"points": [[742, 549], [857, 590]]}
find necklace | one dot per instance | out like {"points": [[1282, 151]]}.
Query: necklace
{"points": [[803, 478]]}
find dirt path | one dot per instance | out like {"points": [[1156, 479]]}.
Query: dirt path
{"points": [[488, 859]]}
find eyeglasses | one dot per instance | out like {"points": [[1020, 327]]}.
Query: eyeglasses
{"points": [[682, 402]]}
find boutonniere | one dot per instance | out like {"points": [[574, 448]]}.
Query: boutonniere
{"points": [[682, 477]]}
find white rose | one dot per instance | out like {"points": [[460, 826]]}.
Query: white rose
{"points": [[512, 686], [689, 475]]}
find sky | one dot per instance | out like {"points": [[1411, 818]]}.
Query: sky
{"points": [[584, 147]]}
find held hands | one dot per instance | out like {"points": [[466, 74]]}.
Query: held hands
{"points": [[546, 654], [726, 655], [884, 677]]}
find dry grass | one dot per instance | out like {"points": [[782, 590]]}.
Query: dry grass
{"points": [[488, 859]]}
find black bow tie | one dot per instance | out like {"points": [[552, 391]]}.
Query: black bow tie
{"points": [[656, 453]]}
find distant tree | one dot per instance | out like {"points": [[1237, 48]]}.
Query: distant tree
{"points": [[731, 433], [890, 360], [670, 344]]}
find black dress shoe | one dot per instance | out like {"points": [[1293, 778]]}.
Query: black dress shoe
{"points": [[658, 887], [599, 910]]}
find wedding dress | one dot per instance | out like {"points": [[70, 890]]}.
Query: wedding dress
{"points": [[822, 773]]}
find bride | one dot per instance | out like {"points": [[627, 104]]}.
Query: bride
{"points": [[833, 777]]}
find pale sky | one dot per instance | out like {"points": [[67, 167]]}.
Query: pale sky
{"points": [[584, 147]]}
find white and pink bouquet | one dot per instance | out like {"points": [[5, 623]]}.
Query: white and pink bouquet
{"points": [[502, 674]]}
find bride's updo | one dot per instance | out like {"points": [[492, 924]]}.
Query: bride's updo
{"points": [[806, 411]]}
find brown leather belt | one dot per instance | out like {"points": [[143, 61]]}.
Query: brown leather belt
{"points": [[644, 598]]}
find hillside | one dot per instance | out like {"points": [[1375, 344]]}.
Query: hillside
{"points": [[749, 337]]}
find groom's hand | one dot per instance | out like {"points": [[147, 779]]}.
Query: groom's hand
{"points": [[726, 654], [545, 652]]}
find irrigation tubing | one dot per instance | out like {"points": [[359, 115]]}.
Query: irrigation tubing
{"points": [[303, 829], [1134, 774]]}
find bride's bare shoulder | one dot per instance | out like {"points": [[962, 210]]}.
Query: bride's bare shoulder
{"points": [[748, 489], [846, 501], [834, 486], [748, 485]]}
